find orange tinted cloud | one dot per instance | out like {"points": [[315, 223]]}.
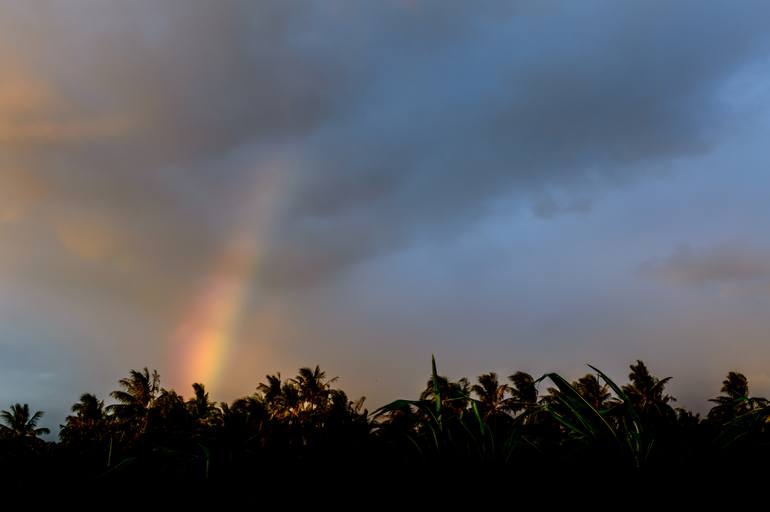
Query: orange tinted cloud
{"points": [[32, 111], [19, 190], [22, 95], [87, 237], [59, 131]]}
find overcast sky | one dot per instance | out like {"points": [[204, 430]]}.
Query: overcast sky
{"points": [[223, 189]]}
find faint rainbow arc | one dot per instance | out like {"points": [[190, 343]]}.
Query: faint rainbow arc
{"points": [[202, 341]]}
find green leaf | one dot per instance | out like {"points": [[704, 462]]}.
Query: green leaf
{"points": [[436, 390], [584, 412], [479, 419]]}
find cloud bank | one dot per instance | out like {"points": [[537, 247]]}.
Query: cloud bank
{"points": [[722, 264], [404, 120], [138, 140]]}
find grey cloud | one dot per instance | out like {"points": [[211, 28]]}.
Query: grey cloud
{"points": [[567, 100], [405, 118], [548, 206], [721, 264], [192, 81]]}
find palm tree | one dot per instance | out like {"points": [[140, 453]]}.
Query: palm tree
{"points": [[284, 399], [313, 387], [19, 424], [290, 402], [454, 395], [247, 414], [593, 391], [735, 400], [491, 393], [139, 392], [169, 415], [86, 423], [200, 406], [272, 390], [243, 424], [647, 393], [523, 393], [89, 410]]}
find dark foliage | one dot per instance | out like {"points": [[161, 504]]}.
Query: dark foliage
{"points": [[304, 429]]}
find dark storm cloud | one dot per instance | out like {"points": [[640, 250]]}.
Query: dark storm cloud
{"points": [[402, 118], [526, 106]]}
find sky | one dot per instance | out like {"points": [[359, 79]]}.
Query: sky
{"points": [[222, 190]]}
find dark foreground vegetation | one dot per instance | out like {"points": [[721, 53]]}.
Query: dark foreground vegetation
{"points": [[304, 430]]}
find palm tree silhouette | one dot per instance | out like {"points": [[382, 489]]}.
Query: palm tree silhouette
{"points": [[593, 391], [200, 406], [523, 393], [592, 422], [89, 410], [87, 421], [313, 388], [272, 390], [492, 395], [735, 400], [454, 395], [19, 424], [647, 393], [136, 398]]}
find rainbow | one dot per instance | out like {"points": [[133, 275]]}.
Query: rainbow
{"points": [[201, 342]]}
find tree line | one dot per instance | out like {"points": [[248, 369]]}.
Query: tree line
{"points": [[514, 425]]}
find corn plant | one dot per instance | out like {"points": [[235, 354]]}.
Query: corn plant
{"points": [[619, 426], [467, 434]]}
